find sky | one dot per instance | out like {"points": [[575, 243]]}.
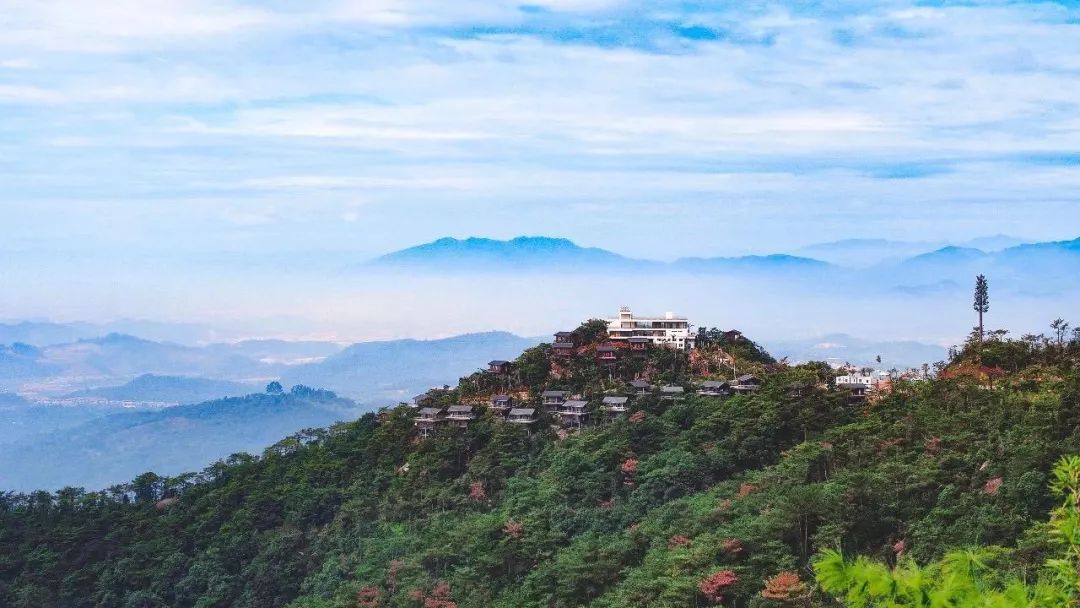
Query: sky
{"points": [[147, 144]]}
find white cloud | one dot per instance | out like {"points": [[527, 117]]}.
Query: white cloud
{"points": [[403, 104], [28, 94], [17, 64], [72, 25], [305, 182]]}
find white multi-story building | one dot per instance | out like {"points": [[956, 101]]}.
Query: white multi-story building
{"points": [[871, 380], [669, 330]]}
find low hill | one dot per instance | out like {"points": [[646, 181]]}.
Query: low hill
{"points": [[150, 388]]}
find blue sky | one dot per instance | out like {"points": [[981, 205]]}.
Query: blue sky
{"points": [[153, 129]]}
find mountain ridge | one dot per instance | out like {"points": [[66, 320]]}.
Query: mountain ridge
{"points": [[533, 252]]}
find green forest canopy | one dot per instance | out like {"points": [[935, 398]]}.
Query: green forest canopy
{"points": [[693, 502]]}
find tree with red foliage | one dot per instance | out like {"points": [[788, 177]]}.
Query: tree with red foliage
{"points": [[440, 597], [785, 587], [392, 573], [732, 546], [629, 469], [716, 584], [677, 541], [637, 417], [367, 597], [992, 486], [513, 529], [477, 493]]}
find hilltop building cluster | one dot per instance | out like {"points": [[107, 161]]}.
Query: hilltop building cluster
{"points": [[621, 355]]}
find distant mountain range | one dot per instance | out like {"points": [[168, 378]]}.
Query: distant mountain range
{"points": [[122, 368], [84, 436], [397, 370], [169, 390], [862, 253], [45, 333], [478, 255], [888, 266], [101, 450]]}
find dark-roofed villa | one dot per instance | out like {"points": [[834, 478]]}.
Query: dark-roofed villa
{"points": [[553, 398], [499, 366], [714, 388], [746, 384], [427, 421], [574, 413], [564, 337], [563, 349], [522, 415], [460, 416], [615, 405], [502, 403], [641, 387], [671, 392]]}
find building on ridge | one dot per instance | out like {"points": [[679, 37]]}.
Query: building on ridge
{"points": [[669, 331]]}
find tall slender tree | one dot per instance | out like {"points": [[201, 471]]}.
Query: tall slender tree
{"points": [[982, 304]]}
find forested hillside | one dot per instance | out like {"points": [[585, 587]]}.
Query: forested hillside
{"points": [[691, 501]]}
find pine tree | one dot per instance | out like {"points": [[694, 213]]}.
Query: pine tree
{"points": [[982, 303]]}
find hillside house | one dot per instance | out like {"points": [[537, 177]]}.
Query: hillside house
{"points": [[640, 387], [565, 337], [553, 399], [428, 420], [859, 392], [615, 405], [499, 366], [876, 381], [671, 392], [502, 403], [746, 384], [606, 353], [574, 413], [798, 389], [522, 415], [714, 388], [459, 416], [668, 331], [563, 350]]}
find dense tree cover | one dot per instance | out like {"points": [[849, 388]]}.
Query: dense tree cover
{"points": [[968, 578], [692, 502]]}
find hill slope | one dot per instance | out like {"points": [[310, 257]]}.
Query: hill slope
{"points": [[651, 509]]}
